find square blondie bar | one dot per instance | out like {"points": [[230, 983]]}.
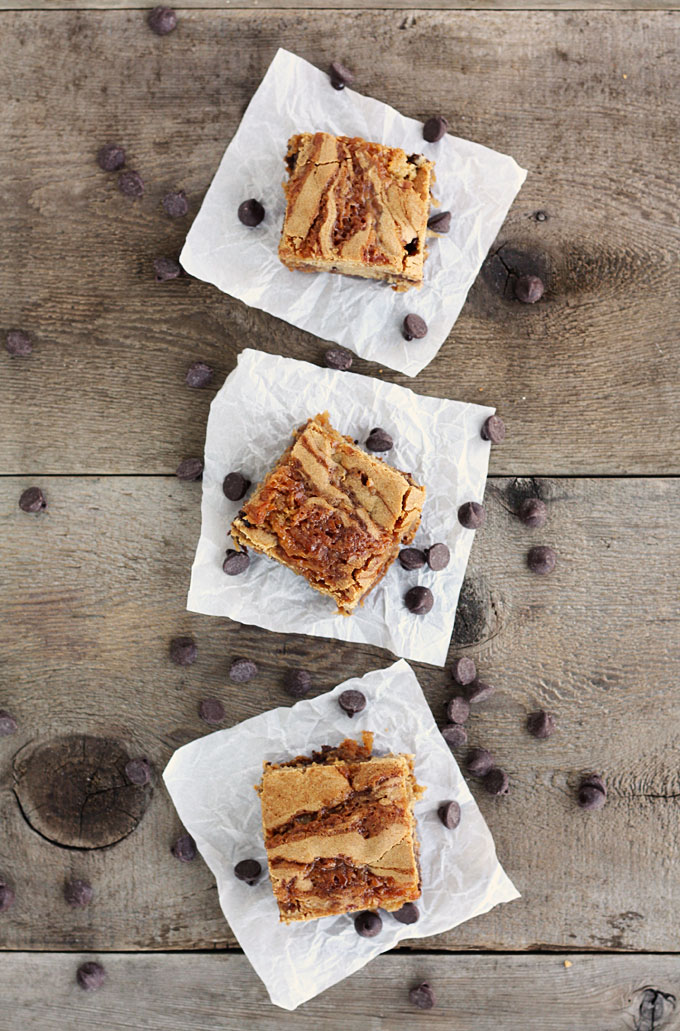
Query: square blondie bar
{"points": [[332, 513], [356, 208], [340, 832]]}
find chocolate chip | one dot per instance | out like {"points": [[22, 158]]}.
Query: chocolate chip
{"points": [[7, 897], [440, 222], [18, 343], [367, 924], [414, 328], [162, 20], [184, 848], [472, 515], [455, 735], [407, 914], [199, 375], [190, 469], [211, 710], [248, 870], [8, 725], [138, 771], [496, 782], [235, 562], [32, 500], [110, 157], [449, 814], [176, 204], [494, 429], [131, 184], [297, 682], [352, 702], [478, 691], [242, 670], [438, 557], [91, 976], [479, 762], [541, 724], [338, 358], [529, 289], [166, 268], [463, 670], [235, 486], [422, 996], [411, 558], [594, 780], [590, 797], [541, 560], [458, 710], [419, 600], [533, 512], [435, 128], [340, 76], [379, 440], [78, 893], [250, 212], [183, 651], [541, 216]]}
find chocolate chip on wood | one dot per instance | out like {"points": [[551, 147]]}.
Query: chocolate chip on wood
{"points": [[7, 896], [78, 893], [533, 512], [496, 782], [529, 289], [18, 343], [211, 711], [162, 20], [8, 725], [592, 792], [455, 735], [32, 500], [131, 183], [458, 710], [463, 670], [541, 724], [479, 762], [166, 269], [297, 682], [176, 204], [183, 651], [199, 375], [110, 157], [189, 469], [242, 670], [541, 559], [138, 771], [184, 849], [338, 358], [422, 996], [91, 976], [494, 429]]}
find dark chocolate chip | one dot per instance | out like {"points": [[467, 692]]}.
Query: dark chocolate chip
{"points": [[18, 343], [190, 469], [211, 710], [110, 157], [250, 212], [529, 289], [440, 222], [78, 893], [248, 870], [8, 725], [138, 771], [533, 512], [472, 515], [166, 268], [449, 814], [422, 996], [352, 702], [463, 670], [199, 375], [590, 797], [131, 183], [541, 559], [242, 670], [496, 781], [7, 897], [379, 440], [367, 924], [235, 486], [541, 724], [435, 128], [458, 710], [235, 562], [412, 558], [455, 735], [91, 976], [419, 600], [162, 20], [438, 557], [176, 205], [338, 358], [414, 328], [32, 500], [297, 682], [184, 848], [478, 691], [183, 651], [494, 429], [479, 762], [340, 76], [407, 914], [594, 780]]}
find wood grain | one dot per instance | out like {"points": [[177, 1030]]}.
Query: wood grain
{"points": [[95, 589], [352, 5], [587, 379]]}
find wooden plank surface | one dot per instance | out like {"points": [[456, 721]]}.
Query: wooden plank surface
{"points": [[222, 993], [352, 5], [587, 379], [95, 589]]}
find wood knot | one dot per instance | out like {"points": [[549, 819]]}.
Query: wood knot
{"points": [[73, 791], [652, 1009], [478, 615]]}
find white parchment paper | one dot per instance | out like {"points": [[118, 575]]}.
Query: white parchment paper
{"points": [[250, 424], [211, 784], [475, 183]]}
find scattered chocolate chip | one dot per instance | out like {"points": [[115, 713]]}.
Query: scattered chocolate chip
{"points": [[435, 128], [248, 870], [590, 797], [379, 440], [184, 848], [235, 486], [352, 702], [411, 558], [211, 710], [110, 157], [235, 562], [407, 914], [440, 222], [422, 996], [541, 724], [463, 670], [414, 328], [250, 212], [479, 762], [472, 515], [32, 500], [242, 670], [338, 358], [78, 893], [419, 600], [166, 268], [340, 76], [533, 512], [138, 771], [594, 780], [458, 710], [7, 897], [541, 216], [367, 924], [131, 183], [162, 20], [8, 725], [190, 469], [176, 205], [199, 375], [183, 651], [449, 814], [494, 429], [18, 343], [455, 735], [90, 976], [496, 781], [478, 691], [438, 557], [541, 559], [529, 289], [297, 682]]}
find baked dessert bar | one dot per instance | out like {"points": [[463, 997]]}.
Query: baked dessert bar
{"points": [[356, 208], [332, 513], [340, 832]]}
